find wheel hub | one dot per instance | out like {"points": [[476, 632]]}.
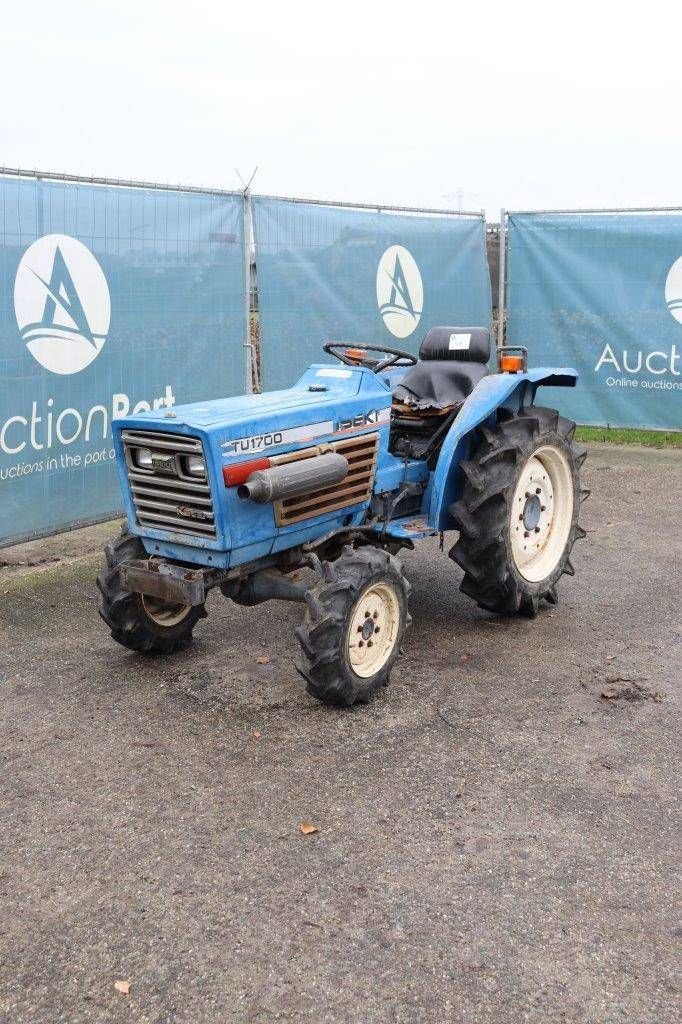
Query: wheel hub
{"points": [[367, 628], [532, 511]]}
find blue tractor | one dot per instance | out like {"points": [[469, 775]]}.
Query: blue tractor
{"points": [[309, 494]]}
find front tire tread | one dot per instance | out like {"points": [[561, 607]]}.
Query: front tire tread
{"points": [[323, 634], [123, 611]]}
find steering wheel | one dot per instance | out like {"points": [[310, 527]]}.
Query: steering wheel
{"points": [[347, 354]]}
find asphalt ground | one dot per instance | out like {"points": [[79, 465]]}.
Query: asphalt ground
{"points": [[497, 832]]}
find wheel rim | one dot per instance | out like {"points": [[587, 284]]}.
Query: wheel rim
{"points": [[542, 513], [163, 613], [373, 630]]}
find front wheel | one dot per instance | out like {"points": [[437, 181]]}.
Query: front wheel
{"points": [[137, 621], [518, 515], [354, 626]]}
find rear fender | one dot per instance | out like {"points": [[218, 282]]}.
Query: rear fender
{"points": [[499, 390]]}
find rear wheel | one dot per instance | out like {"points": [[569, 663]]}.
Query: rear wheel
{"points": [[138, 621], [354, 626], [518, 515]]}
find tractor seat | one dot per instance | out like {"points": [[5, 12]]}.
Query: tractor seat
{"points": [[452, 360]]}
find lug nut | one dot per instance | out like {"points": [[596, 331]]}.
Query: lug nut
{"points": [[526, 533], [538, 491], [369, 643], [376, 615], [361, 643], [537, 529]]}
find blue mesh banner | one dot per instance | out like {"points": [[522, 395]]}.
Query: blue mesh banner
{"points": [[603, 293], [327, 273], [111, 300]]}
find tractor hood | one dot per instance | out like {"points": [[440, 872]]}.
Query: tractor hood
{"points": [[320, 388]]}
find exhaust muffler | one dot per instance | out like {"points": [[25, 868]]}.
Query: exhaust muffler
{"points": [[294, 478]]}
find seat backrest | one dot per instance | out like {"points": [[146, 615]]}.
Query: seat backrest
{"points": [[463, 344], [436, 382]]}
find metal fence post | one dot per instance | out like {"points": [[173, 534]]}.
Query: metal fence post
{"points": [[502, 276], [248, 344]]}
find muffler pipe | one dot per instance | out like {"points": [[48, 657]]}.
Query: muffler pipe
{"points": [[294, 478]]}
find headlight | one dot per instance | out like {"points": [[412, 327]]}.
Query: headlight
{"points": [[143, 458], [195, 465]]}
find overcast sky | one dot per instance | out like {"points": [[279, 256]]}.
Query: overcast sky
{"points": [[521, 105]]}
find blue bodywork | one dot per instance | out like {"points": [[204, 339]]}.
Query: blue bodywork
{"points": [[329, 403]]}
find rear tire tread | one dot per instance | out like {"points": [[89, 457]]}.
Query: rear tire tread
{"points": [[481, 514]]}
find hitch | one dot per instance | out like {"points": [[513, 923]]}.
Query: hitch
{"points": [[173, 583]]}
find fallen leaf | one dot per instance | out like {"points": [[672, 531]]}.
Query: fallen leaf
{"points": [[307, 829], [624, 688], [610, 657], [262, 659], [464, 657], [256, 735], [123, 987]]}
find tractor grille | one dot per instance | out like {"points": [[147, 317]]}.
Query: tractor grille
{"points": [[361, 453], [168, 498]]}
